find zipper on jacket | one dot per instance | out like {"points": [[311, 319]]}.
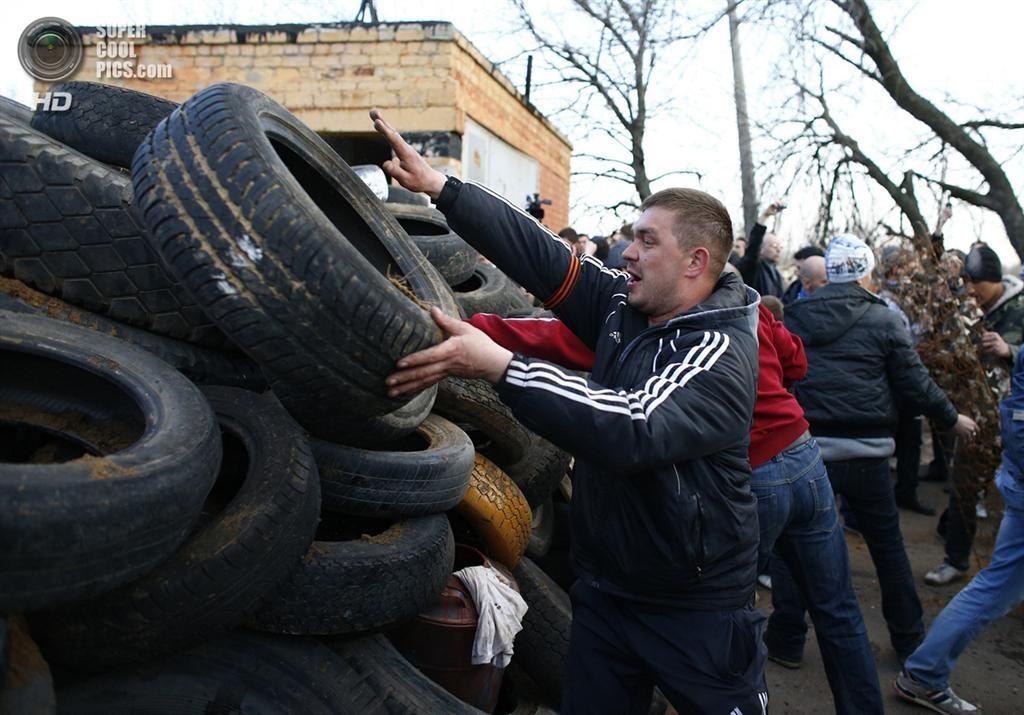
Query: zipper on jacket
{"points": [[700, 551], [641, 337]]}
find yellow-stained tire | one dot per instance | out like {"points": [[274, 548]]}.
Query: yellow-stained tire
{"points": [[497, 511]]}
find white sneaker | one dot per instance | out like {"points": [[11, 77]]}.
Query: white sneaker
{"points": [[765, 580], [944, 574], [941, 701]]}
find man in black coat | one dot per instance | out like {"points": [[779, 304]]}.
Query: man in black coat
{"points": [[859, 360], [757, 266], [663, 520]]}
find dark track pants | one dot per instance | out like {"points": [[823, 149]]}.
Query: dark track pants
{"points": [[703, 661]]}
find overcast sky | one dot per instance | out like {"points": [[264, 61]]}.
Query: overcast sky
{"points": [[946, 47]]}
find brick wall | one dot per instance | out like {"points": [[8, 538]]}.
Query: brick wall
{"points": [[425, 77]]}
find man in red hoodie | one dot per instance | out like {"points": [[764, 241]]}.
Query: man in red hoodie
{"points": [[796, 507]]}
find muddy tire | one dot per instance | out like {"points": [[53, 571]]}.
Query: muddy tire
{"points": [[351, 585], [26, 684], [289, 253], [105, 122], [453, 258], [106, 458], [543, 644], [534, 464], [427, 473], [497, 512], [203, 366], [488, 290], [68, 229], [239, 673], [258, 521]]}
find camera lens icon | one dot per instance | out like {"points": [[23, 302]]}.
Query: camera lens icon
{"points": [[50, 49]]}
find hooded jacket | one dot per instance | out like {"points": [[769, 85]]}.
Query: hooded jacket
{"points": [[859, 359], [1006, 316], [662, 510]]}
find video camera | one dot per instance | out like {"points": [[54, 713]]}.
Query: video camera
{"points": [[535, 206]]}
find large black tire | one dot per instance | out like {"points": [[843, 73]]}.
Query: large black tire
{"points": [[427, 473], [488, 290], [15, 111], [259, 520], [147, 455], [105, 122], [250, 673], [204, 366], [289, 253], [402, 687], [356, 585], [453, 258], [68, 228], [534, 464], [543, 645]]}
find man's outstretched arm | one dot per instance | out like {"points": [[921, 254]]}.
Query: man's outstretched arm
{"points": [[578, 289], [695, 406]]}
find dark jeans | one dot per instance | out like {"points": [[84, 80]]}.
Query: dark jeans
{"points": [[908, 457], [865, 487], [961, 521], [942, 449], [703, 661], [797, 513]]}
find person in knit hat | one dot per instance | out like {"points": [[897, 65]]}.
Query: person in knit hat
{"points": [[1001, 299], [848, 259], [860, 364]]}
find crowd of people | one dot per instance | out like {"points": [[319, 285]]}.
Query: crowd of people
{"points": [[740, 407]]}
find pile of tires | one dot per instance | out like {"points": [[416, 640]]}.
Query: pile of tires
{"points": [[208, 501]]}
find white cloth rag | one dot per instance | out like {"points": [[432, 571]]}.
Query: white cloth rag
{"points": [[500, 611]]}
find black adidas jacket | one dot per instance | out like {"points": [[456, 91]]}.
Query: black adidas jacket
{"points": [[662, 510]]}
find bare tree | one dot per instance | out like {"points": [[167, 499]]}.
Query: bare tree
{"points": [[611, 52], [742, 123], [863, 47]]}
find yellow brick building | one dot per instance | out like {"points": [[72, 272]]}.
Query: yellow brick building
{"points": [[431, 82]]}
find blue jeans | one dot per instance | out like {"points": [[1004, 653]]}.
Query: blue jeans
{"points": [[797, 514], [866, 489], [990, 595]]}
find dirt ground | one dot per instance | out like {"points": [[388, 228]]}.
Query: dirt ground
{"points": [[990, 673]]}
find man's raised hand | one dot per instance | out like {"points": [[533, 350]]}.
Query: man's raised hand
{"points": [[410, 169], [467, 352]]}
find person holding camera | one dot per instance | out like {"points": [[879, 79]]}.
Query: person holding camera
{"points": [[758, 263]]}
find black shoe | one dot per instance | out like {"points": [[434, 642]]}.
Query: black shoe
{"points": [[785, 662], [915, 506]]}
